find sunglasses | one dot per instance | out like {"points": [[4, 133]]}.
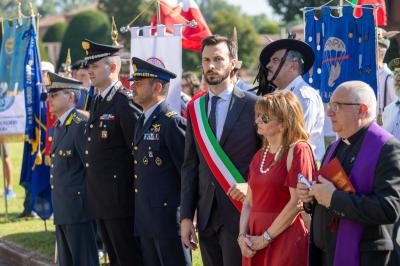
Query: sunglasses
{"points": [[264, 118]]}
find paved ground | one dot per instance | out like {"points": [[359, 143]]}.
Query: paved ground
{"points": [[3, 263]]}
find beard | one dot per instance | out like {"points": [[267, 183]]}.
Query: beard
{"points": [[216, 79]]}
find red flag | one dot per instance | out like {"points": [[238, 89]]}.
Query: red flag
{"points": [[182, 12], [381, 19]]}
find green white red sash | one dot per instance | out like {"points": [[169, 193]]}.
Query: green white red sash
{"points": [[221, 166]]}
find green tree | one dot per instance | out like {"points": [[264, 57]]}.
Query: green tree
{"points": [[265, 26], [55, 33], [93, 25], [43, 54], [223, 22], [124, 11], [290, 10], [209, 7]]}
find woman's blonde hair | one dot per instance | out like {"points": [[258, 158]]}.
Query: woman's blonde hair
{"points": [[287, 109]]}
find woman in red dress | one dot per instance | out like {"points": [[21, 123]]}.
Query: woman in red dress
{"points": [[272, 232]]}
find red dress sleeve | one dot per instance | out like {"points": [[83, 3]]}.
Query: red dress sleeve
{"points": [[303, 162]]}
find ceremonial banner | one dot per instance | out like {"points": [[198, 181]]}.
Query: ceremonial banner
{"points": [[35, 175], [164, 50], [344, 46], [182, 12], [12, 57]]}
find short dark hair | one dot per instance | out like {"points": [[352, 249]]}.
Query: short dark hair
{"points": [[217, 39]]}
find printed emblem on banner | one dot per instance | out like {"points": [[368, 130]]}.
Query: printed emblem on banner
{"points": [[155, 128], [9, 45], [334, 54], [158, 161]]}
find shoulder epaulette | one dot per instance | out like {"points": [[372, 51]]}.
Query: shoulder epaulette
{"points": [[127, 93], [76, 118], [171, 113]]}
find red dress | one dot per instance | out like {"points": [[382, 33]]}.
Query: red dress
{"points": [[270, 194]]}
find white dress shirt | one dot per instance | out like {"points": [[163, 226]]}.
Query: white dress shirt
{"points": [[383, 73], [221, 108], [314, 114], [105, 92], [64, 116], [391, 119]]}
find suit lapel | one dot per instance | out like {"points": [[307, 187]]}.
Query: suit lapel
{"points": [[235, 108], [105, 103], [58, 137], [141, 130]]}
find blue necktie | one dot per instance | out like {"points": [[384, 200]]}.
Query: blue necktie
{"points": [[212, 118]]}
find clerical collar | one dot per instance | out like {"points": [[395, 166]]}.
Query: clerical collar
{"points": [[353, 138]]}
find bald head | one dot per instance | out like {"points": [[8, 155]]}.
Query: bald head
{"points": [[360, 92]]}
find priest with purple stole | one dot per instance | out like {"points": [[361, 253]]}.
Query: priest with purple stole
{"points": [[356, 229]]}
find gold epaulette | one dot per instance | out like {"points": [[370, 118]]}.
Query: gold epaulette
{"points": [[171, 113]]}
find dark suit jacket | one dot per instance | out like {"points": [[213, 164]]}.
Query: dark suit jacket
{"points": [[67, 173], [109, 136], [378, 211], [158, 151], [240, 142]]}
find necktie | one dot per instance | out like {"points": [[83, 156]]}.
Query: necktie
{"points": [[57, 129], [212, 118], [140, 122], [97, 102]]}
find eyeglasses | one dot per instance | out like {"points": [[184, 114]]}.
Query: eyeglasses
{"points": [[264, 118], [334, 106]]}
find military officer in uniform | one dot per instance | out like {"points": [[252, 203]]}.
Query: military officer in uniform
{"points": [[109, 162], [75, 234], [158, 153]]}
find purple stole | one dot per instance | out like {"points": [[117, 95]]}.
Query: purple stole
{"points": [[362, 175]]}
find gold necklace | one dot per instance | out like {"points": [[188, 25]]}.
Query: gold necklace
{"points": [[276, 157]]}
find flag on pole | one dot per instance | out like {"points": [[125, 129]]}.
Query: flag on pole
{"points": [[166, 50], [35, 174], [381, 19], [182, 12]]}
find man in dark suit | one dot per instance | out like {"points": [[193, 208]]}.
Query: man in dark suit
{"points": [[158, 152], [74, 226], [356, 228], [111, 125], [230, 113]]}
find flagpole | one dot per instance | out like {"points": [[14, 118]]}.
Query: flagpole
{"points": [[158, 13], [3, 158]]}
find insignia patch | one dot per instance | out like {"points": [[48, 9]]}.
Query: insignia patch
{"points": [[155, 128], [150, 154], [145, 160], [104, 134], [76, 119], [107, 117], [60, 152], [158, 161], [69, 152], [86, 46], [171, 113]]}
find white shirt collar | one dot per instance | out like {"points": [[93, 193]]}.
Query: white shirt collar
{"points": [[105, 92], [224, 95], [294, 83], [149, 111], [65, 115]]}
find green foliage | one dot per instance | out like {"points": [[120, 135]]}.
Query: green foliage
{"points": [[43, 54], [93, 25], [55, 33], [126, 10], [265, 26], [223, 22], [290, 10], [191, 61], [209, 7]]}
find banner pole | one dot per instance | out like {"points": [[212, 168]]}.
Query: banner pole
{"points": [[158, 12], [3, 158]]}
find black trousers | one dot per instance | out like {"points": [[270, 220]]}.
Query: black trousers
{"points": [[122, 247], [378, 257], [165, 252], [76, 245]]}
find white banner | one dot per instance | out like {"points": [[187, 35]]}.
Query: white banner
{"points": [[168, 49]]}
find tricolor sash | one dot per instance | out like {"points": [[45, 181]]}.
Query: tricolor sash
{"points": [[362, 175], [220, 165]]}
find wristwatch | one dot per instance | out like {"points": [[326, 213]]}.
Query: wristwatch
{"points": [[267, 236]]}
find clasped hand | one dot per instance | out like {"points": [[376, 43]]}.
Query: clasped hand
{"points": [[249, 245]]}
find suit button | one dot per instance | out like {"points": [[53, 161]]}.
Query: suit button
{"points": [[52, 187], [51, 176], [53, 155], [89, 139], [115, 176], [136, 190], [78, 193], [91, 126], [87, 165], [135, 162], [52, 166], [86, 152], [165, 204], [135, 148], [136, 177]]}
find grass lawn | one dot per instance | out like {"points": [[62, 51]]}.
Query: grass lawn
{"points": [[30, 233]]}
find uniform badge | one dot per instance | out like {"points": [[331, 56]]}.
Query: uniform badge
{"points": [[60, 152], [104, 134], [158, 161], [155, 128], [145, 160], [69, 152], [150, 154]]}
